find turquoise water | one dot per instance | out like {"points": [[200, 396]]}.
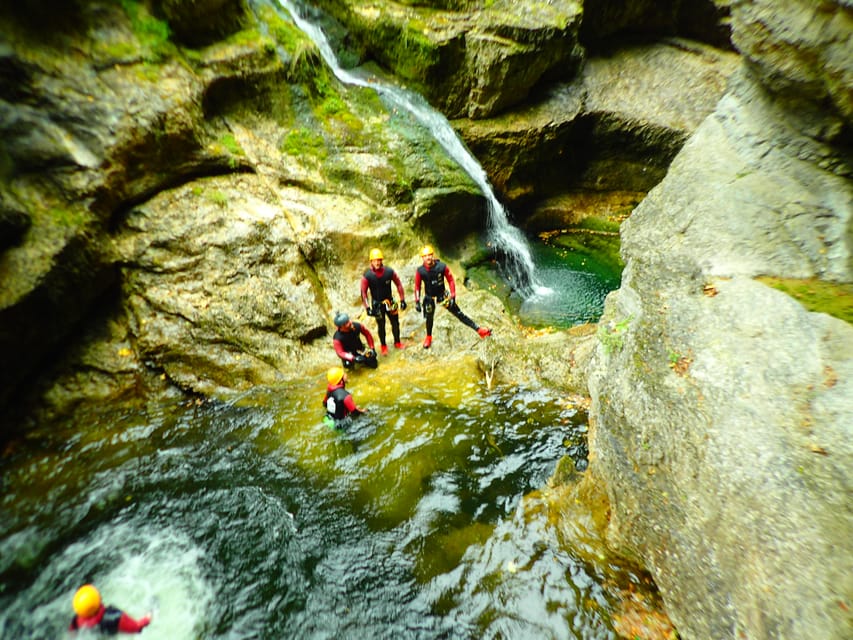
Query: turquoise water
{"points": [[579, 281]]}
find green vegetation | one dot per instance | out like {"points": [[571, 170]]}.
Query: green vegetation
{"points": [[303, 141], [153, 34], [69, 218], [218, 198], [230, 143], [611, 335], [414, 52], [817, 295]]}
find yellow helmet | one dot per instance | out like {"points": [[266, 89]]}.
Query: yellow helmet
{"points": [[427, 250], [376, 254], [87, 601], [335, 375]]}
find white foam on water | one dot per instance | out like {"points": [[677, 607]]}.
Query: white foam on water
{"points": [[157, 570]]}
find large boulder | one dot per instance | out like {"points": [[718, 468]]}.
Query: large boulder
{"points": [[721, 406]]}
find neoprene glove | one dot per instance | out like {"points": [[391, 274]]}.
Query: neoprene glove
{"points": [[418, 306], [403, 305], [359, 358]]}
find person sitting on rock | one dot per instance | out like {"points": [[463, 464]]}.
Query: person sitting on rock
{"points": [[433, 274], [90, 613], [348, 344]]}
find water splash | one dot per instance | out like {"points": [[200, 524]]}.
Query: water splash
{"points": [[503, 236]]}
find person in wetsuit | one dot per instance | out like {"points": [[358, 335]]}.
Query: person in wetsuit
{"points": [[434, 274], [348, 344], [377, 280], [339, 404], [90, 613]]}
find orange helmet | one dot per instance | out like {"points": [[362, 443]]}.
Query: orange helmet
{"points": [[426, 251], [87, 601], [334, 375], [376, 254]]}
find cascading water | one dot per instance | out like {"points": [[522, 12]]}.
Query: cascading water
{"points": [[503, 236]]}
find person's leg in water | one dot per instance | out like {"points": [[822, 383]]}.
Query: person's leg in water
{"points": [[429, 314]]}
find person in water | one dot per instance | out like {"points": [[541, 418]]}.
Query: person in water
{"points": [[91, 613], [348, 344], [434, 274], [339, 404], [377, 280]]}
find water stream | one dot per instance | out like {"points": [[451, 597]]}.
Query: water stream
{"points": [[249, 518], [510, 242]]}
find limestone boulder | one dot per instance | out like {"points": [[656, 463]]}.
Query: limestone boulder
{"points": [[721, 406]]}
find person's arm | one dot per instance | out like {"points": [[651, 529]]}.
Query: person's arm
{"points": [[349, 403], [127, 624], [367, 335], [339, 349], [364, 287], [400, 289], [417, 286], [451, 283]]}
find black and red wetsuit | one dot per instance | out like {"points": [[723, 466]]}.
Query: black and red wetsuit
{"points": [[434, 279], [340, 405], [378, 282], [350, 348], [111, 621]]}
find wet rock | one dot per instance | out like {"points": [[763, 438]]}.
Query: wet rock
{"points": [[721, 406]]}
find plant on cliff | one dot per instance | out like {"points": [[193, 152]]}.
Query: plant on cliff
{"points": [[835, 299], [611, 334], [153, 34]]}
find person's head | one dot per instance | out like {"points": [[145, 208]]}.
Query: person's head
{"points": [[87, 601], [343, 322], [336, 376], [428, 256], [376, 259]]}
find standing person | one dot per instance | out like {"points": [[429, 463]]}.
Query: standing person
{"points": [[91, 612], [339, 403], [434, 273], [381, 304], [348, 344]]}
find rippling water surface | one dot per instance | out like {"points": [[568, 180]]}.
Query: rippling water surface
{"points": [[251, 519], [578, 280]]}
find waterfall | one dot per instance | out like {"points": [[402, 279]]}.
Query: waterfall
{"points": [[503, 236]]}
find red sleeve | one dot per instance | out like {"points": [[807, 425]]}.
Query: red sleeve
{"points": [[399, 286], [349, 403], [450, 281], [339, 349], [367, 335], [364, 291], [417, 285], [129, 625]]}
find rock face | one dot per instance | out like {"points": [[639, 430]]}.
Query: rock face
{"points": [[193, 210], [722, 408], [475, 62], [616, 127]]}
